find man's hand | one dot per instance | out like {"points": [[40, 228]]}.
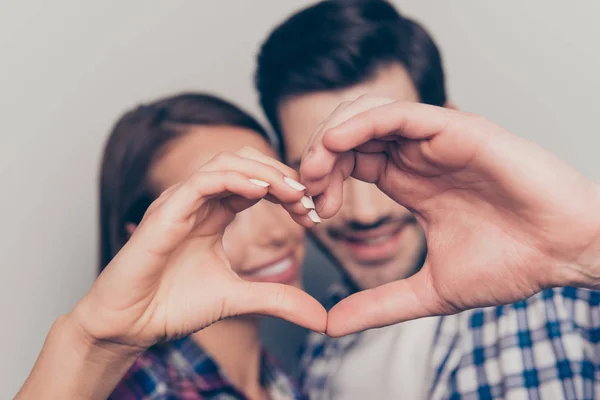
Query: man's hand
{"points": [[504, 219]]}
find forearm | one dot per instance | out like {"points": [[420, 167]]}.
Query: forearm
{"points": [[71, 366]]}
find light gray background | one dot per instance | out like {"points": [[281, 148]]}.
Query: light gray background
{"points": [[68, 68]]}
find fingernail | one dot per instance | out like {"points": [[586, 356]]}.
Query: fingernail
{"points": [[259, 183], [307, 202], [314, 217], [321, 333], [294, 184]]}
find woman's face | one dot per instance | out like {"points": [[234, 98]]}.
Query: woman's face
{"points": [[263, 243]]}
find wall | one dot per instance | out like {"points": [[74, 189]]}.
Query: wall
{"points": [[68, 68]]}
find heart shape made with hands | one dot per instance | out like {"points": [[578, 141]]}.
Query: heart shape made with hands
{"points": [[503, 218]]}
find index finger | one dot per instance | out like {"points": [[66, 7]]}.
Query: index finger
{"points": [[401, 119], [318, 161]]}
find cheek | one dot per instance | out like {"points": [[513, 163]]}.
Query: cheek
{"points": [[292, 229], [234, 242], [416, 238]]}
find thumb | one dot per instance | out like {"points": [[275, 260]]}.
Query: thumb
{"points": [[385, 305], [277, 300]]}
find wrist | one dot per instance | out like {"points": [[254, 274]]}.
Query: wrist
{"points": [[72, 364], [584, 270], [588, 266], [94, 345], [91, 347]]}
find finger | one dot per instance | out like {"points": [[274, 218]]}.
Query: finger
{"points": [[277, 300], [204, 185], [307, 220], [329, 190], [331, 199], [385, 305], [166, 224], [366, 167], [372, 146], [408, 120], [303, 207], [318, 132], [161, 199], [270, 173], [238, 203], [317, 153], [369, 167], [253, 154], [248, 158], [165, 227]]}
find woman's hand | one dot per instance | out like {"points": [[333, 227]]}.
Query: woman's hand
{"points": [[172, 278]]}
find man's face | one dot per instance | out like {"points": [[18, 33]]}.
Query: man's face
{"points": [[374, 239]]}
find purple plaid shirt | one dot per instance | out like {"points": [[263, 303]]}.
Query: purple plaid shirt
{"points": [[182, 370]]}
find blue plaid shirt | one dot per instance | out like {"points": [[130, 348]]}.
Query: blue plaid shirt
{"points": [[545, 347], [181, 369]]}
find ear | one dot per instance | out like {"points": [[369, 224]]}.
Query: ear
{"points": [[130, 228], [451, 105]]}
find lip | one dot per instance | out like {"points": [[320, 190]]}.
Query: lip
{"points": [[354, 236], [374, 246], [286, 269]]}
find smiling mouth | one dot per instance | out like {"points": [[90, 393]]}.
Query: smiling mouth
{"points": [[283, 270], [374, 246], [372, 241], [277, 268]]}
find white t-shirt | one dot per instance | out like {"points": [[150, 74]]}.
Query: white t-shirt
{"points": [[388, 363]]}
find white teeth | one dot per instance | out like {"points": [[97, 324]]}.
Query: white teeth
{"points": [[276, 268]]}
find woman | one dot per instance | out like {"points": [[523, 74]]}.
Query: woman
{"points": [[171, 264]]}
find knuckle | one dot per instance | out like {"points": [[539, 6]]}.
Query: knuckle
{"points": [[229, 176], [247, 150], [197, 183], [342, 106], [222, 158], [158, 216]]}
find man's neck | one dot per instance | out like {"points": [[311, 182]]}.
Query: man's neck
{"points": [[235, 345]]}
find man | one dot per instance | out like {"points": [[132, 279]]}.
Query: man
{"points": [[543, 347]]}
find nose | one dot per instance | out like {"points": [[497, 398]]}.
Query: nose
{"points": [[360, 202], [271, 225]]}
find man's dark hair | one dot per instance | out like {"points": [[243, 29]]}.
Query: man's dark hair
{"points": [[337, 44]]}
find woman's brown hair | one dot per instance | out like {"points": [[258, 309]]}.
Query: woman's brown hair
{"points": [[133, 144]]}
